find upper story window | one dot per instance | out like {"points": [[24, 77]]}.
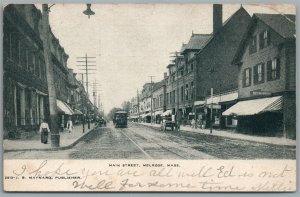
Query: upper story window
{"points": [[192, 90], [187, 92], [182, 93], [253, 45], [192, 67], [273, 69], [259, 73], [264, 39], [247, 77]]}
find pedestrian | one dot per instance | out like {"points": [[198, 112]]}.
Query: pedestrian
{"points": [[69, 125], [44, 130], [193, 123]]}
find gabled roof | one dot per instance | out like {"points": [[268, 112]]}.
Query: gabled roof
{"points": [[196, 42], [284, 25], [239, 13]]}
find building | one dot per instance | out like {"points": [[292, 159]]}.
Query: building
{"points": [[63, 80], [25, 84], [158, 102], [25, 92], [145, 102], [266, 61], [186, 75], [171, 89], [214, 69]]}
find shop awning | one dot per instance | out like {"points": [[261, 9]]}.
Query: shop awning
{"points": [[158, 113], [167, 113], [63, 107], [196, 103], [257, 106], [77, 112]]}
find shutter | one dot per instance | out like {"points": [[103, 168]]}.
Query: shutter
{"points": [[244, 78], [250, 76], [261, 40], [263, 72], [269, 70], [255, 74], [268, 38], [278, 69]]}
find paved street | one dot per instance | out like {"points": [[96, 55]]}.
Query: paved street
{"points": [[140, 142]]}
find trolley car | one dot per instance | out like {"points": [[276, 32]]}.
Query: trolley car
{"points": [[120, 119]]}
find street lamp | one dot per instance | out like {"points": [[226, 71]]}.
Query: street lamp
{"points": [[88, 10]]}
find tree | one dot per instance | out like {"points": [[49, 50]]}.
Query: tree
{"points": [[112, 112], [126, 106]]}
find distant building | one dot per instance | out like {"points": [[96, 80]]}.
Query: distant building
{"points": [[159, 91], [145, 102], [266, 61]]}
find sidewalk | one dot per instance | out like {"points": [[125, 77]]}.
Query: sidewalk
{"points": [[34, 143], [234, 135]]}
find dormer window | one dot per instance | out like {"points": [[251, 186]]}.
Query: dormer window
{"points": [[253, 45], [264, 39]]}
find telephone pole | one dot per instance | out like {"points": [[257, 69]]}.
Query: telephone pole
{"points": [[86, 67], [55, 136], [151, 77]]}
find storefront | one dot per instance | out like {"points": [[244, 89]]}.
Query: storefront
{"points": [[64, 111], [259, 116]]}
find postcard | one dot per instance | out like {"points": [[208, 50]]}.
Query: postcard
{"points": [[149, 97]]}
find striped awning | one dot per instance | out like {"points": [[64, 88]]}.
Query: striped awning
{"points": [[63, 107], [77, 112], [257, 106], [167, 113]]}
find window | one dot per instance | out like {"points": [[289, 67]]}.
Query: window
{"points": [[167, 98], [23, 56], [192, 90], [38, 65], [15, 48], [182, 93], [264, 39], [259, 73], [192, 67], [253, 45], [247, 77], [187, 92], [273, 69], [34, 64], [161, 100]]}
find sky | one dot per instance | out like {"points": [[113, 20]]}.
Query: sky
{"points": [[134, 41]]}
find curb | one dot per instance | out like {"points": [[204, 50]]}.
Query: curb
{"points": [[52, 148], [248, 140]]}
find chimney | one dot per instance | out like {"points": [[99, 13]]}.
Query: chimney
{"points": [[165, 75], [217, 17]]}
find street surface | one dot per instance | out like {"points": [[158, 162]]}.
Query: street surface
{"points": [[142, 142]]}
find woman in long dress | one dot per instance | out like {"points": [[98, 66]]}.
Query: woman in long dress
{"points": [[44, 130], [70, 125]]}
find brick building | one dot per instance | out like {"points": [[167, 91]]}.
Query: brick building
{"points": [[158, 102], [215, 70], [25, 91], [25, 85], [266, 60]]}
